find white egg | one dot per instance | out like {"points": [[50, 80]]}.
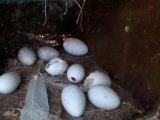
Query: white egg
{"points": [[97, 78], [73, 100], [75, 46], [9, 82], [56, 66], [75, 73], [47, 53], [103, 97], [26, 56]]}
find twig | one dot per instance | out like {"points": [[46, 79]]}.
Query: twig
{"points": [[80, 13], [45, 12], [66, 10], [18, 109]]}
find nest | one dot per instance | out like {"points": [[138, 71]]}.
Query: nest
{"points": [[12, 103]]}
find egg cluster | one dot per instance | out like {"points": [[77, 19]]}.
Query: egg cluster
{"points": [[96, 85]]}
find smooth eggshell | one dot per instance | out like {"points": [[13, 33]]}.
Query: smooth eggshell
{"points": [[56, 66], [103, 97], [98, 78], [73, 100], [26, 56], [9, 82], [75, 46], [75, 73], [47, 53]]}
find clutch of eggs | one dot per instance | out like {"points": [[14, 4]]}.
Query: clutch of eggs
{"points": [[73, 99], [73, 46]]}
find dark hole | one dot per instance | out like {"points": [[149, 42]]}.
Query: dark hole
{"points": [[74, 79]]}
